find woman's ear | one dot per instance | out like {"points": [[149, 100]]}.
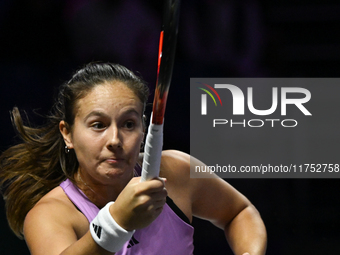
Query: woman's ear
{"points": [[66, 133]]}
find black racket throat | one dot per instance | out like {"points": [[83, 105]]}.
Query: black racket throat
{"points": [[167, 52], [170, 31]]}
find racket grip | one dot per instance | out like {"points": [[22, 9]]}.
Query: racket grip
{"points": [[152, 152]]}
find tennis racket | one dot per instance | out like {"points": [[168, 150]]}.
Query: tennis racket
{"points": [[166, 56]]}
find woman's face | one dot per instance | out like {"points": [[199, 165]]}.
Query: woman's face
{"points": [[107, 132]]}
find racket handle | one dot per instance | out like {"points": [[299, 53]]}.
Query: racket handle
{"points": [[152, 152]]}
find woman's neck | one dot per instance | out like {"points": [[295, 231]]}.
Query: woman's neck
{"points": [[99, 194]]}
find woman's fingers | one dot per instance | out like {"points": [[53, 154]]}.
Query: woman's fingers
{"points": [[140, 202]]}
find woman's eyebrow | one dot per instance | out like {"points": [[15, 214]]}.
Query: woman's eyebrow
{"points": [[103, 114], [132, 111], [95, 113]]}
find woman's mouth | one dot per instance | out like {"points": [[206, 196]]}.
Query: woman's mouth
{"points": [[114, 160]]}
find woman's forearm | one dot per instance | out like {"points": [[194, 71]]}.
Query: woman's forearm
{"points": [[246, 233]]}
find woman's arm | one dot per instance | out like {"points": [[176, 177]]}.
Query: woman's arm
{"points": [[54, 225], [247, 233], [215, 200]]}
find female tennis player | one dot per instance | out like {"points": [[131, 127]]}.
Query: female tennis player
{"points": [[73, 186]]}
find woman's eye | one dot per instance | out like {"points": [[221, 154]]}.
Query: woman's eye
{"points": [[129, 124], [98, 125]]}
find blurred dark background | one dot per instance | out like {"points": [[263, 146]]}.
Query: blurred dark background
{"points": [[42, 42]]}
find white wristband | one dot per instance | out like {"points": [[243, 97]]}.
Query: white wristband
{"points": [[107, 233]]}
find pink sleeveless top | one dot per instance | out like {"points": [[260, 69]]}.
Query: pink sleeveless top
{"points": [[167, 235]]}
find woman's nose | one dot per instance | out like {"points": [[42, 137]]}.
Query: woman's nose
{"points": [[114, 140]]}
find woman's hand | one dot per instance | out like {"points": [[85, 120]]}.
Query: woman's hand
{"points": [[139, 203]]}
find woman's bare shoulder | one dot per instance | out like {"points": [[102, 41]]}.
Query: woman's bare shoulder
{"points": [[175, 164], [55, 200], [54, 213], [57, 204]]}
